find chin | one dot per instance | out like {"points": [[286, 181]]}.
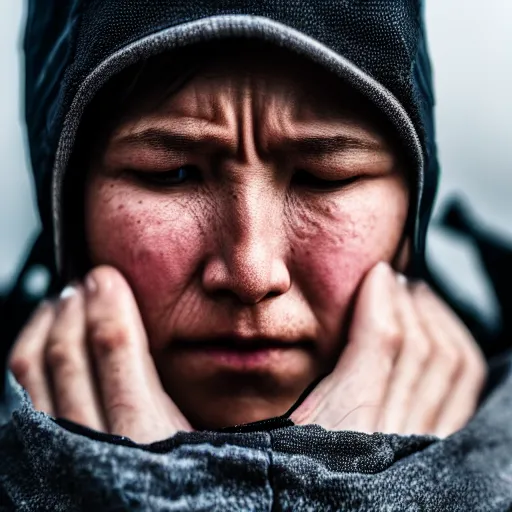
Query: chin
{"points": [[224, 393], [228, 415], [244, 404]]}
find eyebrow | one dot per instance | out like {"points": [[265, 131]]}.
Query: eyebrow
{"points": [[200, 141], [326, 144], [170, 141]]}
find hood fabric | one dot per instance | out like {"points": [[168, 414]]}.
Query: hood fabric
{"points": [[72, 50], [49, 465]]}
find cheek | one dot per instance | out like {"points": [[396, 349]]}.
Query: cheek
{"points": [[155, 242], [336, 242]]}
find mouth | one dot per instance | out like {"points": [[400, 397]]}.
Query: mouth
{"points": [[243, 354]]}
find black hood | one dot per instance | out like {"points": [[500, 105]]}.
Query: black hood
{"points": [[73, 48]]}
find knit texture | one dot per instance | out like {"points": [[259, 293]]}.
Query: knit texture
{"points": [[48, 467]]}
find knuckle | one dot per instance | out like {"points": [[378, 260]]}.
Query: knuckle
{"points": [[450, 357], [107, 337], [57, 355], [20, 366], [390, 336], [423, 351]]}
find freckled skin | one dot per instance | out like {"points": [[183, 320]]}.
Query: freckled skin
{"points": [[244, 249]]}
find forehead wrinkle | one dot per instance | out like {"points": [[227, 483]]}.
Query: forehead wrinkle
{"points": [[275, 117], [203, 98], [246, 119]]}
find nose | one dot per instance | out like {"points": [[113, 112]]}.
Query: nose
{"points": [[249, 262]]}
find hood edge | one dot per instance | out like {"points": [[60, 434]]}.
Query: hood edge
{"points": [[220, 27]]}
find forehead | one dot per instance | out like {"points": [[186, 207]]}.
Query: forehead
{"points": [[206, 82], [199, 86]]}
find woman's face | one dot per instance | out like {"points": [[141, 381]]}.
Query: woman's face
{"points": [[244, 210]]}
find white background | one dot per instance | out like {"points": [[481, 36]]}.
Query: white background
{"points": [[471, 50]]}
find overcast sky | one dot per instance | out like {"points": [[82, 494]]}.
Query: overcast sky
{"points": [[471, 49]]}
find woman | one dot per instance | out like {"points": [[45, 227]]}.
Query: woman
{"points": [[235, 219]]}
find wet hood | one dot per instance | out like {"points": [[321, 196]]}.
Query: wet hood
{"points": [[73, 48]]}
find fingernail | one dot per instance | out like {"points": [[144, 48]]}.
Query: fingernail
{"points": [[90, 284], [382, 266], [402, 280], [66, 295], [385, 270], [67, 292]]}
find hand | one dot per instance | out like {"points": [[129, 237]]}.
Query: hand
{"points": [[410, 365], [87, 359]]}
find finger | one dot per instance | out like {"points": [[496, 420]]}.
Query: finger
{"points": [[74, 390], [443, 367], [26, 360], [462, 401], [127, 376], [351, 396], [459, 333], [414, 355]]}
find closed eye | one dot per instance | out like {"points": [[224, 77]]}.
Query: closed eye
{"points": [[171, 178], [307, 180]]}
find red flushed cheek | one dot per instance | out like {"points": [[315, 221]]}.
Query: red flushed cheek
{"points": [[331, 264], [157, 247], [332, 257]]}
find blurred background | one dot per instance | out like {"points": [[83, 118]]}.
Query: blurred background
{"points": [[471, 50]]}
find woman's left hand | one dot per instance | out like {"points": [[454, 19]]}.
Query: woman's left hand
{"points": [[410, 365]]}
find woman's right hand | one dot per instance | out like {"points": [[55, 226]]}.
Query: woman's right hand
{"points": [[86, 359]]}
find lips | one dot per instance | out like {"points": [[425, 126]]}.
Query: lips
{"points": [[233, 353], [238, 343]]}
